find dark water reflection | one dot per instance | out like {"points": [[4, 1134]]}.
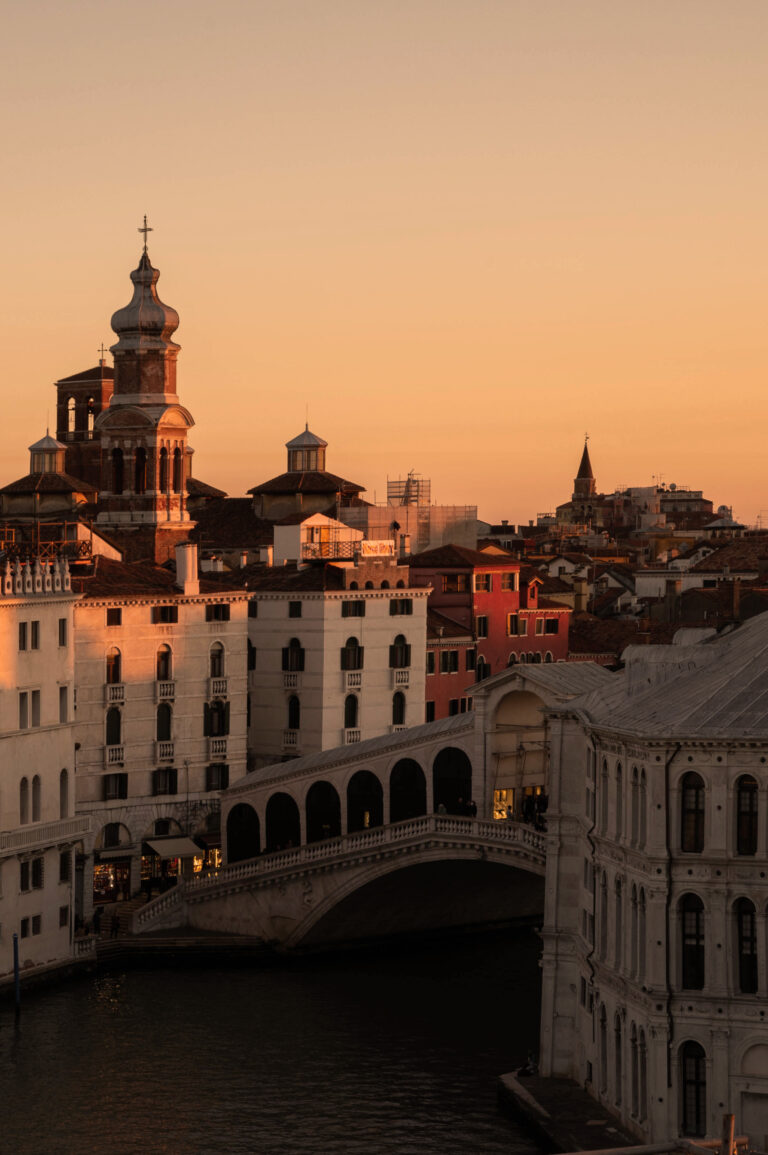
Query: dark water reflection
{"points": [[395, 1051]]}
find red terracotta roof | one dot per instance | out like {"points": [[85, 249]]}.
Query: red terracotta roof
{"points": [[439, 627], [95, 374], [198, 488], [314, 481], [456, 557], [48, 483], [230, 523]]}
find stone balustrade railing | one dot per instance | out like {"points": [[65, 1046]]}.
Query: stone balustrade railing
{"points": [[45, 833]]}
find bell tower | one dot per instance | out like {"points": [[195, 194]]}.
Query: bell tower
{"points": [[584, 485], [145, 459]]}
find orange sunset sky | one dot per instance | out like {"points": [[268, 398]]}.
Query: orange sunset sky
{"points": [[462, 232]]}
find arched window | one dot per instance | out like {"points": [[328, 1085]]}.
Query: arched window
{"points": [[692, 814], [398, 709], [164, 715], [118, 480], [643, 1056], [603, 1050], [140, 470], [113, 666], [163, 479], [643, 809], [351, 655], [64, 794], [385, 585], [216, 718], [746, 946], [619, 1074], [482, 669], [603, 917], [537, 657], [399, 654], [369, 585], [619, 801], [293, 656], [71, 415], [693, 1090], [618, 950], [164, 663], [641, 934], [746, 815], [177, 471], [634, 1072], [90, 417], [36, 798], [350, 712], [692, 942], [217, 660], [512, 660], [633, 932], [23, 802], [353, 586], [548, 656], [604, 797], [634, 803], [113, 726], [294, 713]]}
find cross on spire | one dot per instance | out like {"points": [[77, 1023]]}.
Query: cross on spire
{"points": [[102, 351], [145, 229]]}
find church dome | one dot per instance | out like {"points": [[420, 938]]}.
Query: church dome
{"points": [[306, 440], [146, 323]]}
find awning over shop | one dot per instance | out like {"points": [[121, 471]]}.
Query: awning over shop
{"points": [[175, 847], [111, 852]]}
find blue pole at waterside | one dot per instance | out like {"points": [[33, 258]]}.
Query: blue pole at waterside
{"points": [[16, 976]]}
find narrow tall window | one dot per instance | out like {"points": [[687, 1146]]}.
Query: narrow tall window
{"points": [[350, 712], [177, 471], [603, 917], [619, 801], [293, 656], [643, 809], [164, 716], [113, 666], [692, 942], [140, 470], [70, 415], [604, 797], [217, 660], [641, 931], [634, 803], [163, 479], [746, 946], [164, 664], [398, 709], [603, 1050], [618, 1056], [693, 1085], [399, 653], [23, 802], [692, 814], [746, 815], [634, 1074], [113, 726], [294, 713], [64, 794], [618, 952], [36, 800], [117, 471], [352, 655]]}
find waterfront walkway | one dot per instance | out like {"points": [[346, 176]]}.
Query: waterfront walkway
{"points": [[561, 1114]]}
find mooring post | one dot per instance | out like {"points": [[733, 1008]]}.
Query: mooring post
{"points": [[726, 1145], [16, 975]]}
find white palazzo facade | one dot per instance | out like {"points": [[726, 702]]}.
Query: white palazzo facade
{"points": [[655, 935]]}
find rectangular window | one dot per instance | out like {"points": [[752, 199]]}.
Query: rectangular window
{"points": [[114, 617], [63, 916], [508, 582], [37, 923], [115, 787], [63, 710], [23, 710], [455, 583], [24, 876], [22, 635], [165, 615], [65, 866], [25, 928], [539, 625], [215, 613], [483, 583], [430, 661], [512, 627], [353, 609], [400, 606], [38, 873], [34, 643], [253, 608], [217, 776], [551, 625], [294, 609], [164, 781], [62, 631], [481, 626], [470, 659], [522, 627], [449, 662], [429, 713], [453, 706], [35, 703]]}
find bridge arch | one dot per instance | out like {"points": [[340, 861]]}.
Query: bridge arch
{"points": [[407, 791], [283, 824], [365, 801], [323, 812], [243, 833], [452, 779]]}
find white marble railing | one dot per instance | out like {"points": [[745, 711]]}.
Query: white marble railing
{"points": [[165, 691], [45, 833], [156, 910], [413, 829]]}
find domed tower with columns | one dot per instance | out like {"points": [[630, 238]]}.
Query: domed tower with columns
{"points": [[145, 458]]}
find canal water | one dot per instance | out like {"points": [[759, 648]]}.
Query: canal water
{"points": [[394, 1051]]}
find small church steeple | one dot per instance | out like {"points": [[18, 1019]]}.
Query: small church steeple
{"points": [[584, 484]]}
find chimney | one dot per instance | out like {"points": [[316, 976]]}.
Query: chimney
{"points": [[580, 595], [186, 568]]}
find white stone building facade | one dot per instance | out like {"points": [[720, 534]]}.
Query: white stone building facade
{"points": [[39, 831], [655, 934]]}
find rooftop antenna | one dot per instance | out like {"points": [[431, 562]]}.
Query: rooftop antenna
{"points": [[145, 229]]}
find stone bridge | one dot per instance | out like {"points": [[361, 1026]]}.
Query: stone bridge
{"points": [[419, 874]]}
